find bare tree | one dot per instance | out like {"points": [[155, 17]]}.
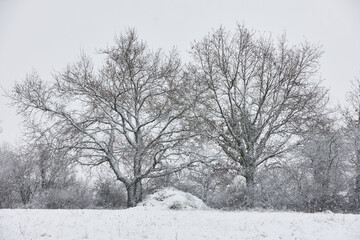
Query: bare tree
{"points": [[259, 94], [129, 114], [54, 168], [9, 188], [30, 169], [322, 160], [352, 121], [16, 176]]}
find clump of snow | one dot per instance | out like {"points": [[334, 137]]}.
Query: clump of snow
{"points": [[171, 198]]}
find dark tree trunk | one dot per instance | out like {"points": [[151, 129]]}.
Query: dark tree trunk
{"points": [[357, 181], [250, 187], [356, 198], [25, 193], [357, 191], [134, 193]]}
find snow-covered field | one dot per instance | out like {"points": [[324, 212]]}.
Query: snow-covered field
{"points": [[145, 223], [171, 214]]}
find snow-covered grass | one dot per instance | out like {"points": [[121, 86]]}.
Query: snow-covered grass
{"points": [[170, 214], [142, 223]]}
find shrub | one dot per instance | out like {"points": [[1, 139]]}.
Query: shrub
{"points": [[74, 197], [109, 194]]}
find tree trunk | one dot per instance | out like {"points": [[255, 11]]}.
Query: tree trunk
{"points": [[357, 181], [25, 193], [356, 198], [357, 190], [134, 193], [250, 186]]}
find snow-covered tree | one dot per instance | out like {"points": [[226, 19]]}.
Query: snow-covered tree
{"points": [[259, 94], [129, 114]]}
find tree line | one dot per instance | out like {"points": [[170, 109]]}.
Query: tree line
{"points": [[245, 123]]}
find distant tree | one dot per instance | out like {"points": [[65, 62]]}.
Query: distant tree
{"points": [[16, 176], [54, 178], [30, 170], [352, 132], [9, 196], [52, 165], [259, 95], [323, 163], [129, 114]]}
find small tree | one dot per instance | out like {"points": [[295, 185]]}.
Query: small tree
{"points": [[129, 114], [259, 94]]}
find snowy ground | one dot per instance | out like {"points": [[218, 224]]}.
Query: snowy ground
{"points": [[145, 223]]}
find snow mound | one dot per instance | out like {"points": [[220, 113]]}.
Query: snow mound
{"points": [[171, 198]]}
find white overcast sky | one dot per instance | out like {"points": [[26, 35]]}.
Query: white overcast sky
{"points": [[45, 35]]}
